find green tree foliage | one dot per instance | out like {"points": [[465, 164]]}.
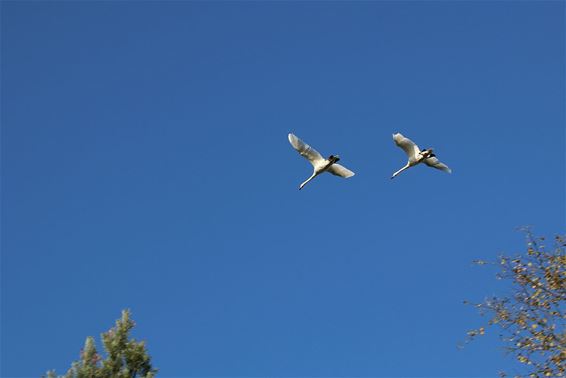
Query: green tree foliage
{"points": [[532, 318], [125, 357]]}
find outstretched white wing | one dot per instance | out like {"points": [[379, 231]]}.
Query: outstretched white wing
{"points": [[339, 170], [305, 150], [435, 163], [410, 148]]}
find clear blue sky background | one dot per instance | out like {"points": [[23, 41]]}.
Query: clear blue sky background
{"points": [[145, 165]]}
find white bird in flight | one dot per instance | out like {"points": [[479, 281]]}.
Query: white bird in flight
{"points": [[319, 163], [417, 156]]}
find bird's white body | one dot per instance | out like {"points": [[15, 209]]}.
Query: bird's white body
{"points": [[416, 156], [319, 163]]}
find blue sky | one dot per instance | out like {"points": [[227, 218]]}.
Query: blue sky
{"points": [[145, 165]]}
